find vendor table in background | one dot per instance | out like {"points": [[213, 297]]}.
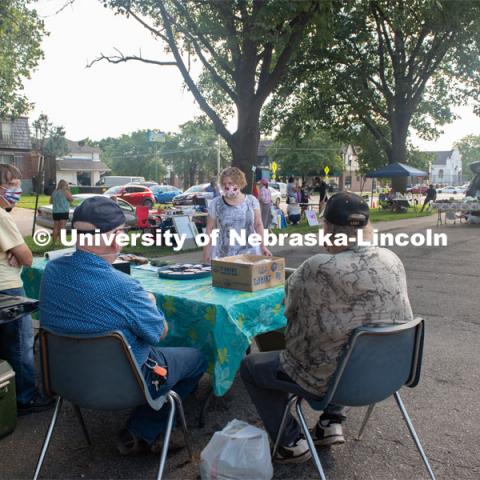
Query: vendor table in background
{"points": [[451, 209], [220, 322]]}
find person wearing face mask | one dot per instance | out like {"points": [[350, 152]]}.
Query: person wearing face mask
{"points": [[83, 294], [233, 211], [16, 338]]}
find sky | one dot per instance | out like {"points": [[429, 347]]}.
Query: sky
{"points": [[110, 100]]}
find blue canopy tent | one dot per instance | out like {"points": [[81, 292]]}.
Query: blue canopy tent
{"points": [[395, 170]]}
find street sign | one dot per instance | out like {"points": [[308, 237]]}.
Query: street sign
{"points": [[274, 170], [326, 170], [156, 136]]}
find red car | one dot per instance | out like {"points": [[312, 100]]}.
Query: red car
{"points": [[419, 189], [136, 195]]}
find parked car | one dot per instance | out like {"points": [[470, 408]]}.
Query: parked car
{"points": [[136, 195], [276, 195], [279, 186], [112, 180], [189, 196], [451, 189], [165, 193], [45, 217], [148, 183], [419, 189]]}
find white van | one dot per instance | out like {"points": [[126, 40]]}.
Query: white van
{"points": [[114, 181]]}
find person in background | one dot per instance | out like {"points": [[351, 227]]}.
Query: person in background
{"points": [[237, 211], [430, 197], [265, 199], [304, 197], [83, 294], [291, 188], [213, 187], [256, 189], [61, 200], [16, 338], [294, 211], [322, 191], [326, 298]]}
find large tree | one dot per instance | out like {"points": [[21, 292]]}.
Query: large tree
{"points": [[243, 46], [469, 147], [392, 65], [21, 33]]}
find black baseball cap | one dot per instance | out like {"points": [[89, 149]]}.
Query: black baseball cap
{"points": [[346, 209], [97, 212]]}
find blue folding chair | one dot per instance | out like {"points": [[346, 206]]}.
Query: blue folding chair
{"points": [[376, 363], [99, 372]]}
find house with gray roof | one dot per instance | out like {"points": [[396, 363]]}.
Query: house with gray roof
{"points": [[447, 167], [16, 149], [81, 164]]}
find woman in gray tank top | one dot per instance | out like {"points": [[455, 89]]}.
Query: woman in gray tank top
{"points": [[233, 212]]}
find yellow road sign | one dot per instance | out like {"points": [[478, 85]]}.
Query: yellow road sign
{"points": [[326, 170], [274, 167]]}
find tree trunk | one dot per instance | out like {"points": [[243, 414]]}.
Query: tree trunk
{"points": [[398, 153], [245, 141]]}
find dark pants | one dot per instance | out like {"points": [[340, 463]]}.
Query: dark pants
{"points": [[185, 368], [16, 347], [269, 388]]}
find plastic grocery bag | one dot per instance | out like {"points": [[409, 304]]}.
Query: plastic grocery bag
{"points": [[239, 452]]}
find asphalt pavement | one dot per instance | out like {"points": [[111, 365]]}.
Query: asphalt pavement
{"points": [[443, 284]]}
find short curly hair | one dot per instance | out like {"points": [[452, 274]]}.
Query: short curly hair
{"points": [[237, 176]]}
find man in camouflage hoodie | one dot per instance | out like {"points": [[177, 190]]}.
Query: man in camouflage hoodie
{"points": [[327, 297]]}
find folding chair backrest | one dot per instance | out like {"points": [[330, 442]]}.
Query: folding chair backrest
{"points": [[91, 371], [377, 362]]}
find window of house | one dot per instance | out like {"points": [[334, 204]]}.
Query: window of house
{"points": [[6, 132], [9, 159], [440, 173]]}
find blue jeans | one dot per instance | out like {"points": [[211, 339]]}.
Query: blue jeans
{"points": [[269, 387], [185, 367], [16, 347]]}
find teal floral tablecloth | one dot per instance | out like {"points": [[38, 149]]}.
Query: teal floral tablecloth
{"points": [[219, 322]]}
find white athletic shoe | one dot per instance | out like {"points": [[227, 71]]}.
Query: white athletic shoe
{"points": [[296, 452]]}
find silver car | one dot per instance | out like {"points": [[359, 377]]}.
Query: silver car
{"points": [[45, 217]]}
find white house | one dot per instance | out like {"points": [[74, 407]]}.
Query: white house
{"points": [[447, 167], [81, 165]]}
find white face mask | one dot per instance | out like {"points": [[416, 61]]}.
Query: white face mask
{"points": [[231, 191]]}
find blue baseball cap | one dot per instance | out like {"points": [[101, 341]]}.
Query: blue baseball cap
{"points": [[98, 212]]}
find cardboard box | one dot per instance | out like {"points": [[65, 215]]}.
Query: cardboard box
{"points": [[248, 272]]}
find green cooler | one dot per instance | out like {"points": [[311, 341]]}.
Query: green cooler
{"points": [[8, 400]]}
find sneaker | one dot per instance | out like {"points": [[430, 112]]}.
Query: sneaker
{"points": [[128, 443], [37, 404], [296, 452], [327, 433], [177, 441]]}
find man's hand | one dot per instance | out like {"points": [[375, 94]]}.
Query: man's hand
{"points": [[266, 251], [12, 260]]}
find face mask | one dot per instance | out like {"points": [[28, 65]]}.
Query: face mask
{"points": [[232, 191], [12, 195]]}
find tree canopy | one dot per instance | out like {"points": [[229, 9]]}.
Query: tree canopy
{"points": [[21, 33], [469, 147], [389, 65], [243, 46]]}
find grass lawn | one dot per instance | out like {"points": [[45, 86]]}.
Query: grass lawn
{"points": [[376, 215], [28, 201]]}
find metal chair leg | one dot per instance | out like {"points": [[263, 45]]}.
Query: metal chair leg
{"points": [[166, 438], [183, 421], [291, 401], [82, 423], [413, 434], [365, 420], [308, 437], [48, 436]]}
